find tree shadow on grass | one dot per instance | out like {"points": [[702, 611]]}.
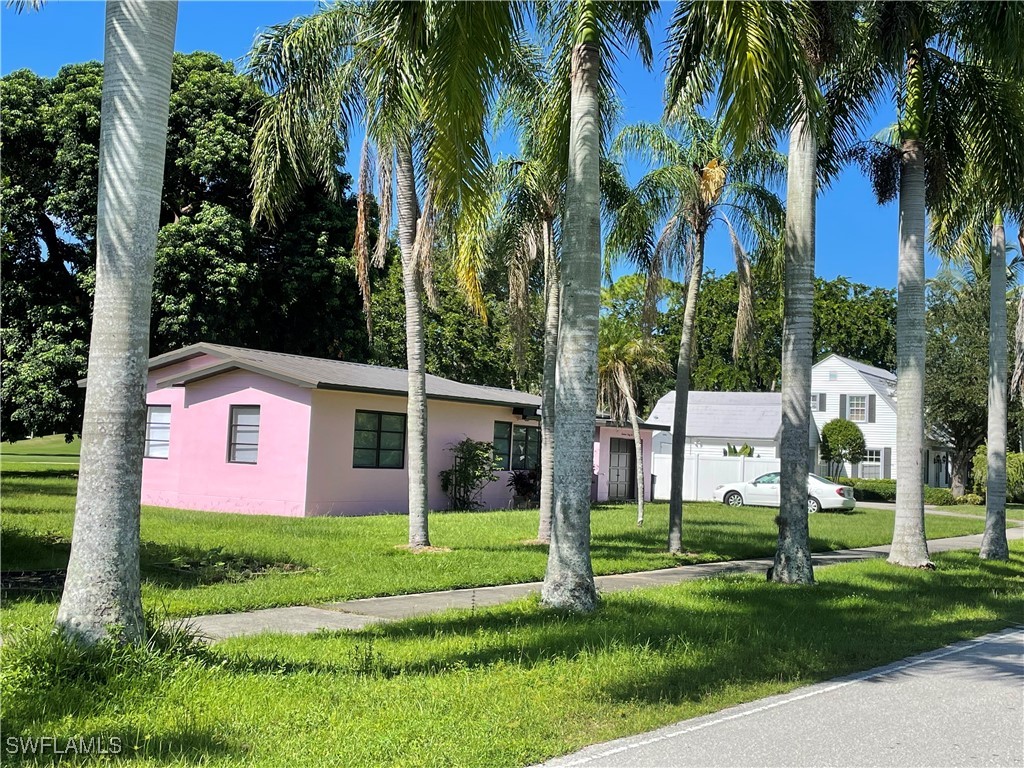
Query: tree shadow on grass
{"points": [[164, 565], [18, 475], [682, 643]]}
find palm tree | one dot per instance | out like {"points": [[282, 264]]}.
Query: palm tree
{"points": [[531, 198], [664, 221], [421, 79], [766, 60], [102, 593], [939, 58], [530, 194], [584, 32], [965, 224], [626, 353]]}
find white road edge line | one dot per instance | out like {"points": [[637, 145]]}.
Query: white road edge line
{"points": [[816, 691]]}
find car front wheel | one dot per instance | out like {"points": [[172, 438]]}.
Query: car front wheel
{"points": [[733, 499], [813, 505]]}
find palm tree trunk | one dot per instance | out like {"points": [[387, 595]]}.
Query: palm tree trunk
{"points": [[909, 546], [416, 413], [993, 544], [102, 593], [675, 507], [569, 580], [793, 554], [547, 414], [624, 386]]}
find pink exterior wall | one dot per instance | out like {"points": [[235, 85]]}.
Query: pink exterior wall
{"points": [[337, 488], [197, 474], [602, 447], [306, 448]]}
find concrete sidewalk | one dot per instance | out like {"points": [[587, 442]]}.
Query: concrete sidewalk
{"points": [[958, 706], [357, 614]]}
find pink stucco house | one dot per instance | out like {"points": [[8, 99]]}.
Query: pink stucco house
{"points": [[240, 430]]}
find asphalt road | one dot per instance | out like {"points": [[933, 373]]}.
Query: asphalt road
{"points": [[962, 705]]}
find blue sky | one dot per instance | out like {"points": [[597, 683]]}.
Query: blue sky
{"points": [[855, 237]]}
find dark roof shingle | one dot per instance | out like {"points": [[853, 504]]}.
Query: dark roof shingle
{"points": [[320, 373]]}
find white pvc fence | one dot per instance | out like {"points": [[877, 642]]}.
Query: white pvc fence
{"points": [[702, 474]]}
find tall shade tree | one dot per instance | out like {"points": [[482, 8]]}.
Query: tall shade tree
{"points": [[102, 592], [766, 61], [696, 180], [625, 354], [942, 60], [585, 32], [421, 79]]}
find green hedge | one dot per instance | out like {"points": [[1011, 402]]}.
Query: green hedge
{"points": [[871, 490], [1014, 474], [885, 490]]}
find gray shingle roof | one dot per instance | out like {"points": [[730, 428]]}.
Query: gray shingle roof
{"points": [[879, 379], [734, 415], [320, 373]]}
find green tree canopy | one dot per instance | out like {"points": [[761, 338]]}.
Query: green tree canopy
{"points": [[841, 442], [850, 319], [217, 277], [956, 366]]}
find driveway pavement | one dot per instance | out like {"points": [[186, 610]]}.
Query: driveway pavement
{"points": [[962, 705]]}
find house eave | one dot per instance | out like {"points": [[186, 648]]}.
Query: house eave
{"points": [[446, 398], [201, 374]]}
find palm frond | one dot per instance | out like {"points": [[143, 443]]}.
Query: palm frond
{"points": [[745, 332], [756, 50]]}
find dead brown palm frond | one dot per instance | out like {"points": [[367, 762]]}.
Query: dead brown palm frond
{"points": [[520, 265], [745, 332], [359, 247], [385, 190], [1017, 381], [423, 247]]}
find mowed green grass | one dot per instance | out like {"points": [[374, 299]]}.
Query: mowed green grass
{"points": [[1013, 511], [192, 562], [508, 686], [53, 449]]}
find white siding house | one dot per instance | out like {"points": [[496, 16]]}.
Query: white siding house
{"points": [[865, 395], [840, 387], [716, 420]]}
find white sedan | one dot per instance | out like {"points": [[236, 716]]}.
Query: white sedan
{"points": [[763, 491]]}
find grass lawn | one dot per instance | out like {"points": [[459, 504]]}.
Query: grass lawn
{"points": [[506, 686], [53, 449], [1013, 511], [202, 562]]}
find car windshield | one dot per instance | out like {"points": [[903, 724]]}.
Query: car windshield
{"points": [[820, 479]]}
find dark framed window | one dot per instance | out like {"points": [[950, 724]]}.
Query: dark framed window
{"points": [[379, 440], [158, 431], [502, 443], [525, 447], [244, 435]]}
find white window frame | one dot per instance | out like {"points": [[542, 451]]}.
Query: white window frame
{"points": [[863, 408], [814, 402], [235, 429], [158, 433], [872, 459]]}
